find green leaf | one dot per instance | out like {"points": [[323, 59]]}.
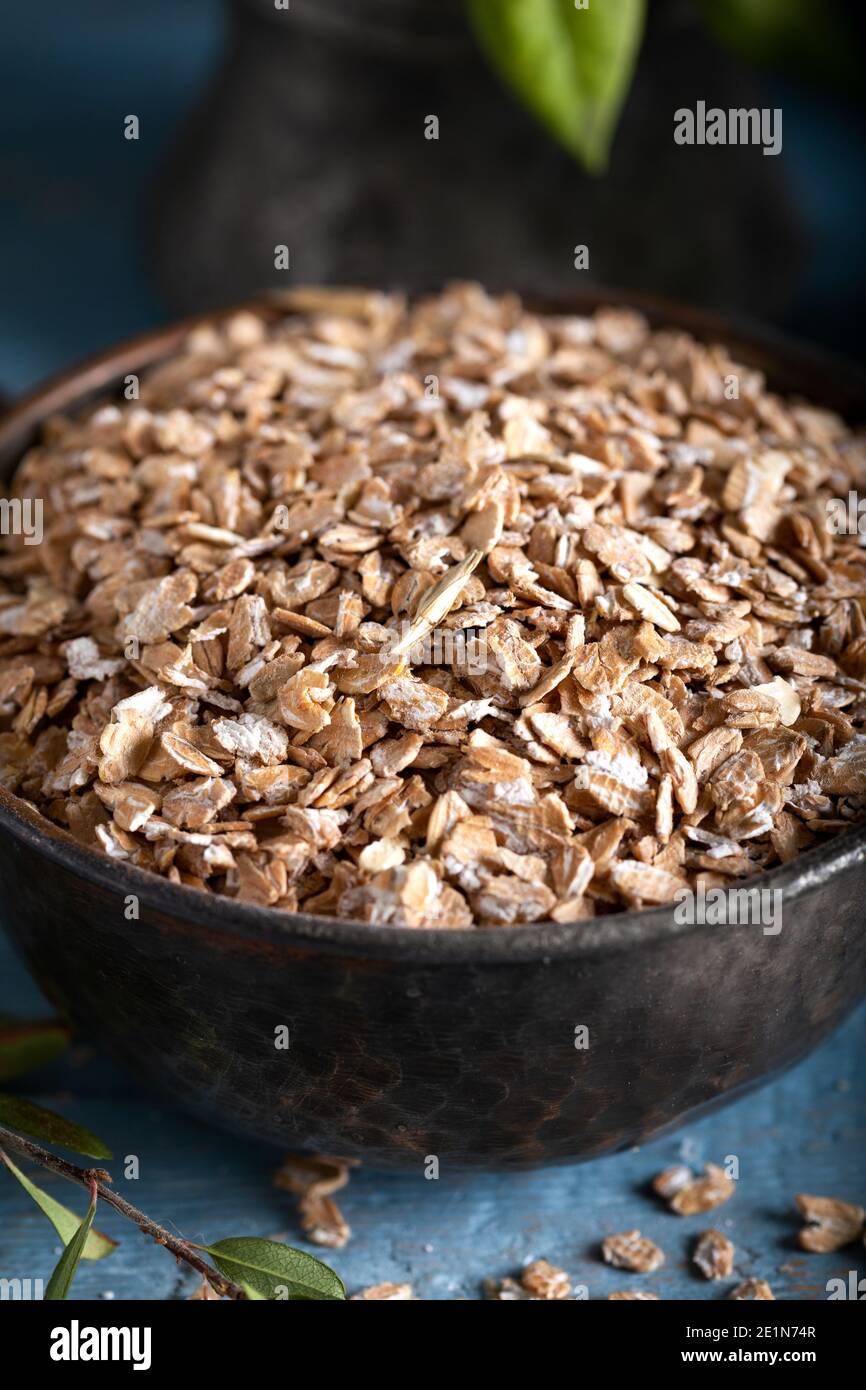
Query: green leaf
{"points": [[39, 1123], [25, 1046], [816, 41], [268, 1269], [571, 67], [64, 1221], [61, 1280]]}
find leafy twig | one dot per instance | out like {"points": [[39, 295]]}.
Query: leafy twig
{"points": [[97, 1179], [61, 1280]]}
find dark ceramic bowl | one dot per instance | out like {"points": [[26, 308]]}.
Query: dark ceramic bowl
{"points": [[406, 1043]]}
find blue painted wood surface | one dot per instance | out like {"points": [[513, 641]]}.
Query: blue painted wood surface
{"points": [[73, 278]]}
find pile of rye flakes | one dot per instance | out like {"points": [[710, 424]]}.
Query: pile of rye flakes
{"points": [[446, 614]]}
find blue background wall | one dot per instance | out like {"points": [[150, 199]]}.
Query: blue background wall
{"points": [[74, 195]]}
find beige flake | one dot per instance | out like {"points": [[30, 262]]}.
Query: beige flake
{"points": [[412, 703], [784, 695], [714, 1255], [545, 1280], [314, 1179], [752, 1289], [631, 1250], [648, 606], [699, 1194], [187, 756], [831, 1224]]}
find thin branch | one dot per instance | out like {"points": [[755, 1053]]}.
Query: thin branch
{"points": [[98, 1178]]}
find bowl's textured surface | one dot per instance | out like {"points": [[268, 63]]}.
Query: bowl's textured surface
{"points": [[402, 1043], [461, 1046]]}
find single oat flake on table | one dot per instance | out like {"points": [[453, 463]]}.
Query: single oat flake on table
{"points": [[631, 1250], [540, 1281], [443, 614]]}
